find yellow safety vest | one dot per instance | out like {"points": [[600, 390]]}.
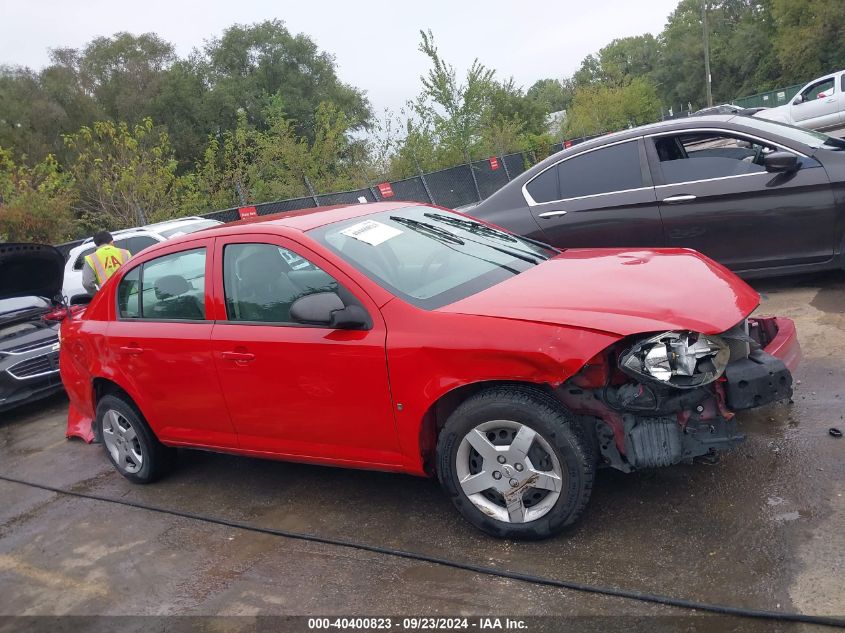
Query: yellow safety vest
{"points": [[106, 260]]}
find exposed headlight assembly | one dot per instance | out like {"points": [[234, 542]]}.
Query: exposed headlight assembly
{"points": [[679, 359]]}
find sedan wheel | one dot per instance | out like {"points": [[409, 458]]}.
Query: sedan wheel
{"points": [[515, 463], [121, 441], [129, 442], [508, 471]]}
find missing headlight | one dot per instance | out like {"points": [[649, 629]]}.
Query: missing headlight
{"points": [[681, 359]]}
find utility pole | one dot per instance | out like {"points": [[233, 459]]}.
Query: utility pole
{"points": [[706, 53]]}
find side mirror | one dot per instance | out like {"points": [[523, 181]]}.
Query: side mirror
{"points": [[798, 99], [781, 162], [80, 299], [327, 308]]}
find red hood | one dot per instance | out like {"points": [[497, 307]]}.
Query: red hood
{"points": [[621, 291]]}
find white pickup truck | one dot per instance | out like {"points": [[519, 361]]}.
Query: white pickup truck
{"points": [[820, 105]]}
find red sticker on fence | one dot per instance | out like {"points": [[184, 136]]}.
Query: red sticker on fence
{"points": [[494, 163], [247, 212], [385, 190], [567, 144]]}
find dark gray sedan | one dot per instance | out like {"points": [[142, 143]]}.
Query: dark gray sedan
{"points": [[762, 198]]}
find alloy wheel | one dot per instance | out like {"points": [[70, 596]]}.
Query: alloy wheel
{"points": [[509, 471], [121, 440]]}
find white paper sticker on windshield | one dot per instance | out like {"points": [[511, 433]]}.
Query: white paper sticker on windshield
{"points": [[371, 232]]}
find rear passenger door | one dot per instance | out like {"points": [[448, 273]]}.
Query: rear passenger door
{"points": [[601, 197], [159, 341], [295, 390]]}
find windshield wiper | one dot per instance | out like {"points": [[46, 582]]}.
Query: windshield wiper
{"points": [[428, 229], [436, 232], [472, 226], [482, 229]]}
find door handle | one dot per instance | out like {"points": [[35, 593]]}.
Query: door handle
{"points": [[681, 198], [552, 214], [131, 350], [238, 356]]}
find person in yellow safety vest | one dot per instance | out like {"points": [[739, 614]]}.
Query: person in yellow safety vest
{"points": [[102, 263]]}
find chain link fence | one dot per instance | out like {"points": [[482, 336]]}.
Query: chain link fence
{"points": [[453, 187]]}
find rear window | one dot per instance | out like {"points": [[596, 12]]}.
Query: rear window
{"points": [[171, 287], [614, 168], [605, 170], [188, 228], [132, 244]]}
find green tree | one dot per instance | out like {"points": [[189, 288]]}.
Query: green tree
{"points": [[125, 175], [34, 201], [247, 65], [809, 40], [600, 108], [455, 109], [554, 95]]}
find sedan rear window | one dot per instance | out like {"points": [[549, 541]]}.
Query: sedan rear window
{"points": [[167, 288]]}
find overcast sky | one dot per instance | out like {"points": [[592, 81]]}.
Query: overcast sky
{"points": [[374, 42]]}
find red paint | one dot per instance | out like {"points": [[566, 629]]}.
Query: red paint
{"points": [[621, 291], [247, 212], [385, 190], [494, 163], [784, 344], [567, 144], [332, 396]]}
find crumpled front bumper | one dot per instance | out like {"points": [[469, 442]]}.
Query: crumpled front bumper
{"points": [[784, 345], [765, 376]]}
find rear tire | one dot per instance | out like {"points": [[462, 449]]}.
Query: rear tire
{"points": [[515, 463], [131, 446]]}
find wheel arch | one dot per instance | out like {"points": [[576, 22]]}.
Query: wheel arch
{"points": [[101, 387], [439, 411]]}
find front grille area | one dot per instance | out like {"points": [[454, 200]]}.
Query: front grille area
{"points": [[37, 366], [28, 347]]}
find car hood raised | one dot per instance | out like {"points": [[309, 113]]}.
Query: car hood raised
{"points": [[621, 291], [30, 270]]}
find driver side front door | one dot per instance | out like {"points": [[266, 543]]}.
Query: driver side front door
{"points": [[715, 196], [293, 390]]}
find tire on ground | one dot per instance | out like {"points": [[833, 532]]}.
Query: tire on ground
{"points": [[158, 459], [532, 407]]}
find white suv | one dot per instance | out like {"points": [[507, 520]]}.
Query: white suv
{"points": [[133, 240]]}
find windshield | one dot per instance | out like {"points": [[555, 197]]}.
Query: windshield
{"points": [[431, 257], [184, 229], [815, 140]]}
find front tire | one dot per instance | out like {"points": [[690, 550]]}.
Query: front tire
{"points": [[130, 444], [515, 463]]}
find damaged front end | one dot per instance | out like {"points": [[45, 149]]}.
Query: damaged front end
{"points": [[658, 400]]}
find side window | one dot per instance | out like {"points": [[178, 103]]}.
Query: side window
{"points": [[80, 261], [820, 90], [261, 282], [614, 168], [173, 286], [703, 156], [135, 244], [544, 187], [128, 294]]}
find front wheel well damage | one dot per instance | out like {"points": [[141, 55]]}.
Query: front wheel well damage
{"points": [[438, 413]]}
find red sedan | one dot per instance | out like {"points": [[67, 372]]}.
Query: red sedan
{"points": [[410, 338]]}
